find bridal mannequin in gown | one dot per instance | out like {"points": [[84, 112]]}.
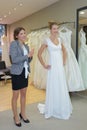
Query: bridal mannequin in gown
{"points": [[83, 56], [57, 102], [72, 70]]}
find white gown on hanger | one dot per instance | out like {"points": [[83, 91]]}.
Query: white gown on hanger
{"points": [[33, 43], [72, 70], [39, 71], [58, 102], [83, 57], [35, 39], [5, 50]]}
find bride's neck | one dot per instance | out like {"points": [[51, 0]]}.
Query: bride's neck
{"points": [[53, 37]]}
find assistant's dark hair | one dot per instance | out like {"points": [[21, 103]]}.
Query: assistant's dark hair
{"points": [[51, 24], [17, 31]]}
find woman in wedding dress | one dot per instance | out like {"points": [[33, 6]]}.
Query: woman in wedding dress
{"points": [[58, 102], [72, 70]]}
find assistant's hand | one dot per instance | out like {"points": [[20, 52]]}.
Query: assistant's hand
{"points": [[31, 53]]}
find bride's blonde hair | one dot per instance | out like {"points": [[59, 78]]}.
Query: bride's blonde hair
{"points": [[50, 24]]}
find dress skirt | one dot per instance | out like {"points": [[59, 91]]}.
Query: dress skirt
{"points": [[19, 81]]}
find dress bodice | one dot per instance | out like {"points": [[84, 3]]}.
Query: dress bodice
{"points": [[52, 47]]}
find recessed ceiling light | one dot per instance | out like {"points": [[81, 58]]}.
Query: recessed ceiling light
{"points": [[9, 12], [15, 9], [82, 12], [20, 4]]}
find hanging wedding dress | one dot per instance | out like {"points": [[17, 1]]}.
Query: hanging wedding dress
{"points": [[73, 74], [39, 79], [83, 56], [58, 102], [5, 50], [35, 39], [33, 43]]}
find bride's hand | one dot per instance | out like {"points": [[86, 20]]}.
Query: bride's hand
{"points": [[64, 62], [47, 66]]}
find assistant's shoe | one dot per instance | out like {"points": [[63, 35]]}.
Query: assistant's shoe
{"points": [[26, 121], [17, 124]]}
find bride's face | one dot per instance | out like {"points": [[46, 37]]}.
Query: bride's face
{"points": [[54, 30]]}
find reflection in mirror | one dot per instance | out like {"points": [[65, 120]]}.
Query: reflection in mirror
{"points": [[82, 43]]}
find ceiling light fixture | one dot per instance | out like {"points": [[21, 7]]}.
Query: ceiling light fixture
{"points": [[9, 12], [20, 4], [82, 12], [15, 9]]}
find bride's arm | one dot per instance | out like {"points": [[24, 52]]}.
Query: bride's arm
{"points": [[64, 54], [40, 51]]}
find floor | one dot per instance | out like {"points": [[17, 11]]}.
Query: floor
{"points": [[77, 120], [33, 95]]}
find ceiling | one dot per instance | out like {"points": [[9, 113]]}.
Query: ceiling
{"points": [[14, 10]]}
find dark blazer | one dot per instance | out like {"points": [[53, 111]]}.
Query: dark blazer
{"points": [[18, 58]]}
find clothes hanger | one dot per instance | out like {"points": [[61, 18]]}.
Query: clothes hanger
{"points": [[63, 29], [81, 33]]}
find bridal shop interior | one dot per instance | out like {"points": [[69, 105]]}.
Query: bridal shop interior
{"points": [[34, 15]]}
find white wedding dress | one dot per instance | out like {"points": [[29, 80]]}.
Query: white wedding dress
{"points": [[72, 70], [39, 71], [58, 102], [83, 56]]}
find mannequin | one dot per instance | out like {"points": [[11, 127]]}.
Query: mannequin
{"points": [[83, 54]]}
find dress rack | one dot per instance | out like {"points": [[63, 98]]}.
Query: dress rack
{"points": [[67, 23], [39, 28], [62, 23]]}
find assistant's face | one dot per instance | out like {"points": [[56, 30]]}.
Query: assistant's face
{"points": [[22, 36], [54, 30]]}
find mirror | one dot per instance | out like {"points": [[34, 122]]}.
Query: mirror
{"points": [[81, 43]]}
